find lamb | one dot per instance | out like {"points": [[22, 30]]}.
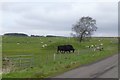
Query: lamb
{"points": [[100, 48], [44, 45]]}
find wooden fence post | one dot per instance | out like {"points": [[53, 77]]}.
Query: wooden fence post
{"points": [[78, 52], [46, 59], [33, 61], [54, 57], [20, 61]]}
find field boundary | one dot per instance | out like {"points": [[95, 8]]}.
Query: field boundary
{"points": [[83, 65], [17, 62]]}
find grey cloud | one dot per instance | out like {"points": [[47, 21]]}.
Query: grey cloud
{"points": [[36, 18], [15, 7]]}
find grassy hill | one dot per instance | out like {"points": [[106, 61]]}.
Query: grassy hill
{"points": [[45, 61]]}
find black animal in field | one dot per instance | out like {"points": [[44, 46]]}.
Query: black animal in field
{"points": [[65, 48]]}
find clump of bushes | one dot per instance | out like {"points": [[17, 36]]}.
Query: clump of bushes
{"points": [[67, 66], [7, 65]]}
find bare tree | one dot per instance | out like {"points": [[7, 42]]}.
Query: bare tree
{"points": [[84, 28]]}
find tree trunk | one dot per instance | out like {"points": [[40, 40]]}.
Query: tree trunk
{"points": [[81, 37]]}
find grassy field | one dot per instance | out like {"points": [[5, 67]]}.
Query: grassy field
{"points": [[45, 61]]}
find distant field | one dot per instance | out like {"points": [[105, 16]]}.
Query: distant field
{"points": [[45, 61]]}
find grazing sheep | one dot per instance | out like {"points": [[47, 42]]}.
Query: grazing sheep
{"points": [[43, 46], [95, 45], [92, 46], [98, 48], [18, 43], [101, 44], [87, 46]]}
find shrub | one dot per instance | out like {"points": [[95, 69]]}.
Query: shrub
{"points": [[67, 66]]}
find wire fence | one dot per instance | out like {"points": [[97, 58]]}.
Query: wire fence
{"points": [[28, 61], [17, 62]]}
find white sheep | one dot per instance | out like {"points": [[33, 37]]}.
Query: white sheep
{"points": [[87, 46], [92, 46], [18, 43], [43, 46], [95, 45], [101, 44], [99, 48]]}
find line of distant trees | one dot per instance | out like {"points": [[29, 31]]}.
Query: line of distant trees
{"points": [[25, 35], [36, 36], [53, 36], [16, 34]]}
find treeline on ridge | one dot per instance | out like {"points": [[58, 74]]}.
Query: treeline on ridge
{"points": [[25, 35], [15, 34]]}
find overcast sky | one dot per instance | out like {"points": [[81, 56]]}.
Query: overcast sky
{"points": [[57, 17]]}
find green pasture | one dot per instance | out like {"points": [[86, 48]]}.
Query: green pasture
{"points": [[45, 61]]}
